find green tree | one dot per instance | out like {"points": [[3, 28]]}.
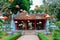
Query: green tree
{"points": [[23, 4], [32, 11], [1, 26], [52, 7], [58, 24], [38, 10], [4, 5]]}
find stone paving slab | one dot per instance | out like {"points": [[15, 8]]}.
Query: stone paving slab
{"points": [[28, 37]]}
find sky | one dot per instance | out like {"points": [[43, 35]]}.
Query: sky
{"points": [[36, 2]]}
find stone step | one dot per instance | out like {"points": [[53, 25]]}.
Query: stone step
{"points": [[30, 32]]}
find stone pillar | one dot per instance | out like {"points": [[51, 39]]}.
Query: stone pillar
{"points": [[47, 27]]}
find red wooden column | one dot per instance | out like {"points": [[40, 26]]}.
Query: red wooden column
{"points": [[45, 23], [35, 24], [16, 26], [16, 22], [26, 24]]}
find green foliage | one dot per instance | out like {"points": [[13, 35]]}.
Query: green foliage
{"points": [[58, 24], [1, 25], [42, 37], [24, 4], [52, 7], [56, 36], [4, 5], [58, 14], [1, 21], [39, 9], [31, 11], [12, 37], [1, 33]]}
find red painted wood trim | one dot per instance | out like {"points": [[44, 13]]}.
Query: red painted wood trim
{"points": [[26, 25], [16, 26], [35, 24], [45, 23]]}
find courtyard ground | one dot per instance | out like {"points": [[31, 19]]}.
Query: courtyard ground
{"points": [[30, 34], [28, 37]]}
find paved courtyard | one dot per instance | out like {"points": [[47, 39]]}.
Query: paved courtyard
{"points": [[28, 37], [30, 34]]}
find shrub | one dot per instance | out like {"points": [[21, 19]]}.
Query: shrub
{"points": [[12, 37], [58, 24], [1, 33], [56, 36], [42, 37]]}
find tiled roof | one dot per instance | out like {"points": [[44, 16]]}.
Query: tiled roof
{"points": [[28, 16]]}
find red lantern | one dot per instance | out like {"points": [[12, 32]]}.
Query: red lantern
{"points": [[5, 18], [17, 6]]}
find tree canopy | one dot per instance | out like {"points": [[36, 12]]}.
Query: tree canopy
{"points": [[52, 7], [23, 4]]}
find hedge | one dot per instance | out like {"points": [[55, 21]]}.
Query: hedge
{"points": [[42, 37], [1, 33], [12, 37], [56, 36]]}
